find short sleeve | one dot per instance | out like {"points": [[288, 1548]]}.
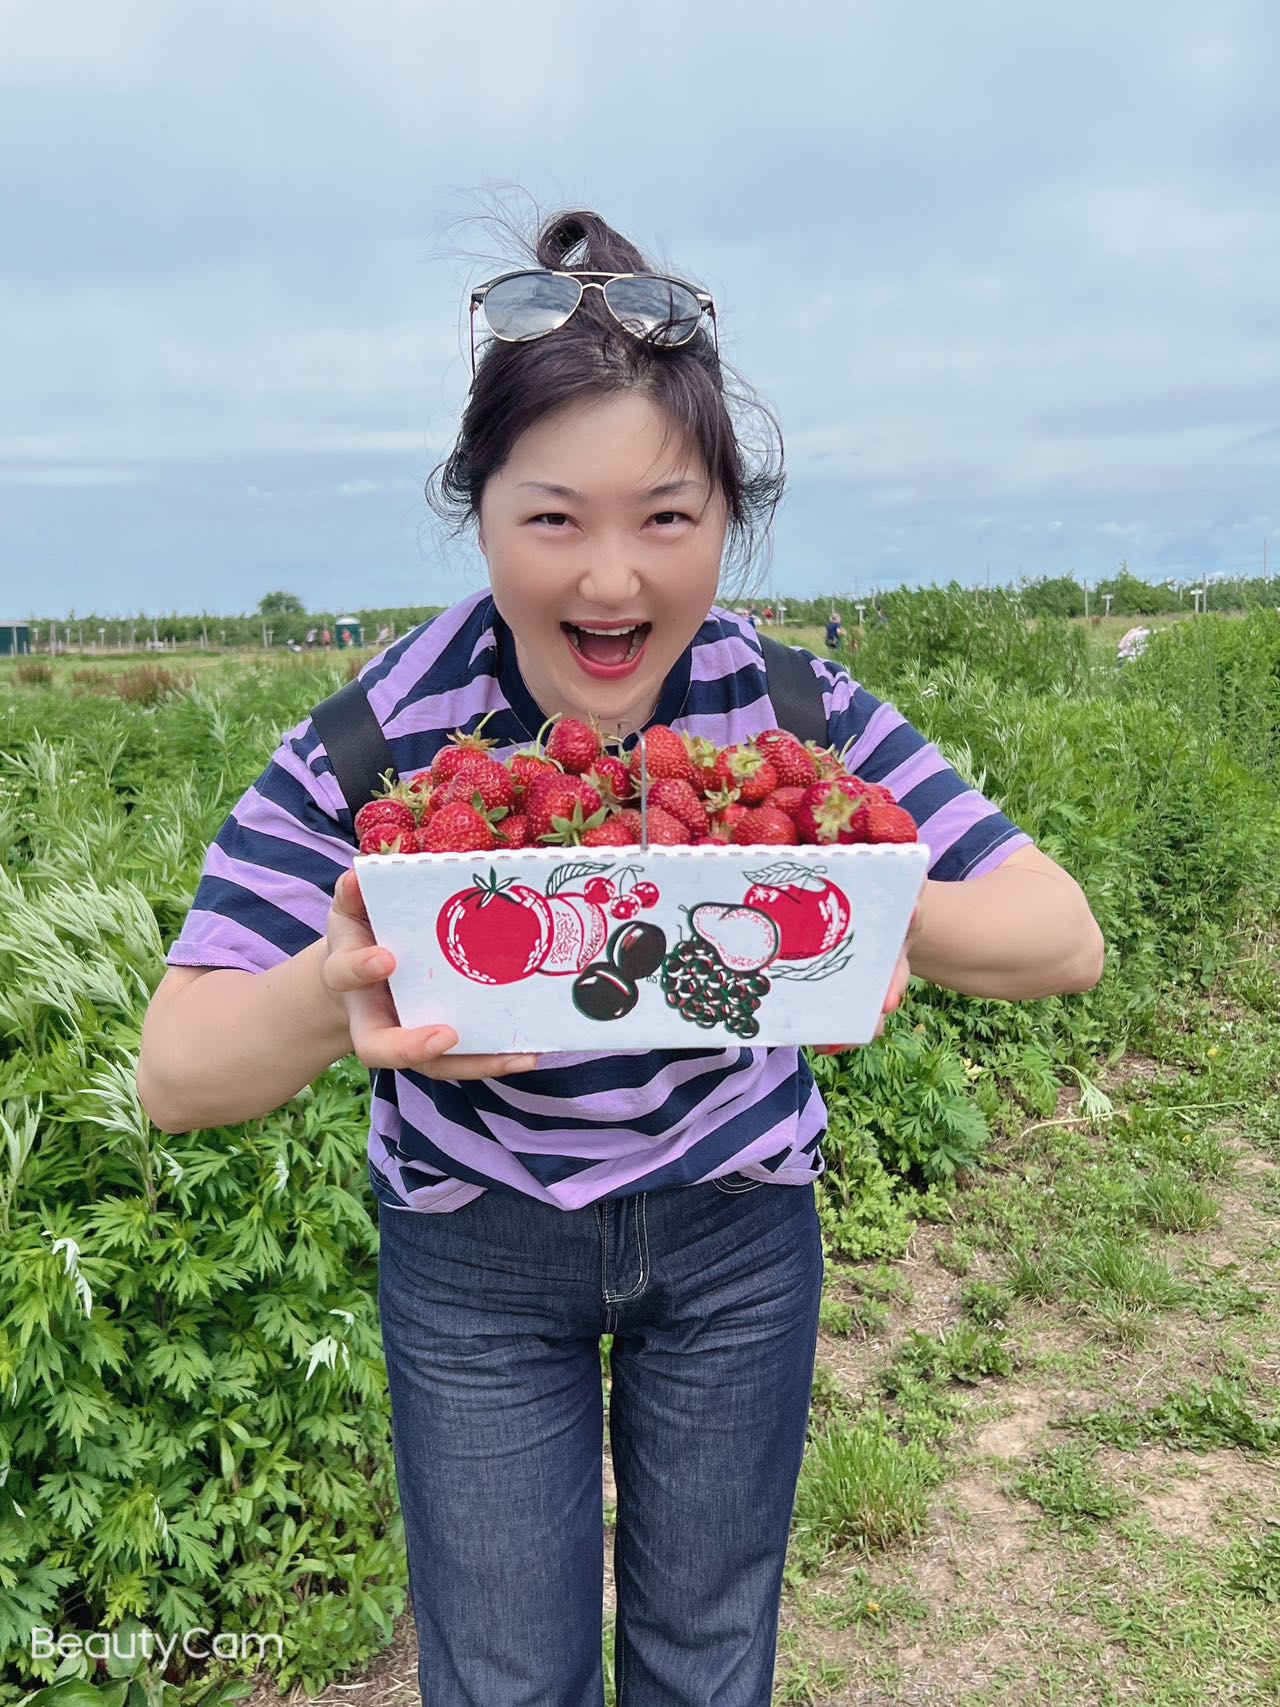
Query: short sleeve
{"points": [[268, 879], [967, 834]]}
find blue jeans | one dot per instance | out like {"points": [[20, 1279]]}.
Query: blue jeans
{"points": [[491, 1324]]}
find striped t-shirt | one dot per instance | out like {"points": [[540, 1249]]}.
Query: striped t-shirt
{"points": [[579, 1127]]}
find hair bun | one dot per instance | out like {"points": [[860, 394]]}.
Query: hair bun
{"points": [[585, 240]]}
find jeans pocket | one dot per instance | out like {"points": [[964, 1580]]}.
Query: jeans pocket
{"points": [[735, 1183]]}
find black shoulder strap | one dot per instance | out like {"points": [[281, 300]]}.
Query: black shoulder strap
{"points": [[795, 691], [354, 741]]}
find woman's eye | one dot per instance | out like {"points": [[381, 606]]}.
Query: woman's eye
{"points": [[554, 518], [666, 517]]}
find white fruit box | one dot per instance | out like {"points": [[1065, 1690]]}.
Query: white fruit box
{"points": [[538, 949]]}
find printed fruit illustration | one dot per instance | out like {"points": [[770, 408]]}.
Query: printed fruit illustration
{"points": [[601, 890], [602, 992], [625, 907], [702, 989], [496, 932], [744, 938], [811, 914], [646, 894], [578, 932], [637, 950]]}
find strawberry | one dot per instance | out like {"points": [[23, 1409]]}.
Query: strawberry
{"points": [[665, 755], [384, 815], [666, 831], [513, 831], [681, 800], [832, 811], [746, 769], [386, 838], [610, 778], [458, 828], [527, 766], [629, 818], [702, 756], [724, 822], [447, 762], [575, 746], [613, 833], [826, 760], [786, 800], [485, 777], [765, 824], [567, 798], [793, 762], [890, 823]]}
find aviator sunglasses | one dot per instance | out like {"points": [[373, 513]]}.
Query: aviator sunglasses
{"points": [[519, 307]]}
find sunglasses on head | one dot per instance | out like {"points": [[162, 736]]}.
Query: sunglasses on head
{"points": [[519, 307]]}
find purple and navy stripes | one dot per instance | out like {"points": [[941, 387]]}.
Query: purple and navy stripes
{"points": [[578, 1128]]}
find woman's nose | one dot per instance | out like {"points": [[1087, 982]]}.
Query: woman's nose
{"points": [[610, 578]]}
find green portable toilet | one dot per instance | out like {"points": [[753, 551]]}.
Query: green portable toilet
{"points": [[348, 631], [15, 639]]}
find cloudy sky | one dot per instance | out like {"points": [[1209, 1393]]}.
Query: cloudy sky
{"points": [[1009, 274]]}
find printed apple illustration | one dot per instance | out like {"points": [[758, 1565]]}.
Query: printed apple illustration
{"points": [[579, 930], [811, 914], [496, 932], [745, 938]]}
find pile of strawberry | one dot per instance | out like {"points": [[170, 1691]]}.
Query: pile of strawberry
{"points": [[574, 792]]}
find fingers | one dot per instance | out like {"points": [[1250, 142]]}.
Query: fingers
{"points": [[427, 1050], [347, 969]]}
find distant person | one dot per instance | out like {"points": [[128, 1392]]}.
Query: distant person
{"points": [[311, 637], [751, 616], [1133, 645], [768, 613], [344, 639], [881, 619], [326, 639], [835, 632]]}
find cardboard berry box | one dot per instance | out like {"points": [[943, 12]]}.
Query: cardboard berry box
{"points": [[539, 949]]}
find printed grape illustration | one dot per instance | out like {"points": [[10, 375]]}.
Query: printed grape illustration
{"points": [[702, 989]]}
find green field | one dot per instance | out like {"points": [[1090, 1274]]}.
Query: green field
{"points": [[1044, 1454]]}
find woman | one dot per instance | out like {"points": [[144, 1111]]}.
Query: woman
{"points": [[530, 1205]]}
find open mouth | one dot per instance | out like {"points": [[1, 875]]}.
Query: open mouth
{"points": [[609, 646]]}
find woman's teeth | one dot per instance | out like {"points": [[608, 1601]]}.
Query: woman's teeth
{"points": [[607, 645]]}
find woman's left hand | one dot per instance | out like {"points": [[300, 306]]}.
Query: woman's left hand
{"points": [[897, 990]]}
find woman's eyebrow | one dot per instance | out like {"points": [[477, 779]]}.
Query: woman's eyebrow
{"points": [[667, 490]]}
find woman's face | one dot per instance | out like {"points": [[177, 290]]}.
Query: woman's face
{"points": [[603, 538]]}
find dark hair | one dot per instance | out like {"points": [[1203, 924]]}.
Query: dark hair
{"points": [[736, 435]]}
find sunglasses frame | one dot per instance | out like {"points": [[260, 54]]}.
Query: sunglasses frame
{"points": [[705, 305]]}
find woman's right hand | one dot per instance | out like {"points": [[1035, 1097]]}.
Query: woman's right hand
{"points": [[356, 970]]}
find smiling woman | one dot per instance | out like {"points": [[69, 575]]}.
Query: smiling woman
{"points": [[530, 1205]]}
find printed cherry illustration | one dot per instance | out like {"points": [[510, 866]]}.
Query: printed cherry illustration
{"points": [[646, 894], [601, 890], [625, 907], [637, 949], [602, 992]]}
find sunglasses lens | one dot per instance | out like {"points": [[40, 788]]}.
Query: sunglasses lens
{"points": [[660, 310], [530, 304]]}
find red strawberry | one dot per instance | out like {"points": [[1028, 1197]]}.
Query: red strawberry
{"points": [[833, 811], [826, 760], [610, 778], [725, 820], [613, 833], [387, 838], [702, 755], [527, 766], [792, 761], [384, 815], [447, 762], [665, 755], [513, 831], [458, 828], [746, 769], [681, 800], [483, 776], [566, 798], [786, 800], [575, 746], [765, 824], [890, 823], [666, 831]]}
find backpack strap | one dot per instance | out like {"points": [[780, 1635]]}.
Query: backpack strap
{"points": [[795, 691], [354, 741]]}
